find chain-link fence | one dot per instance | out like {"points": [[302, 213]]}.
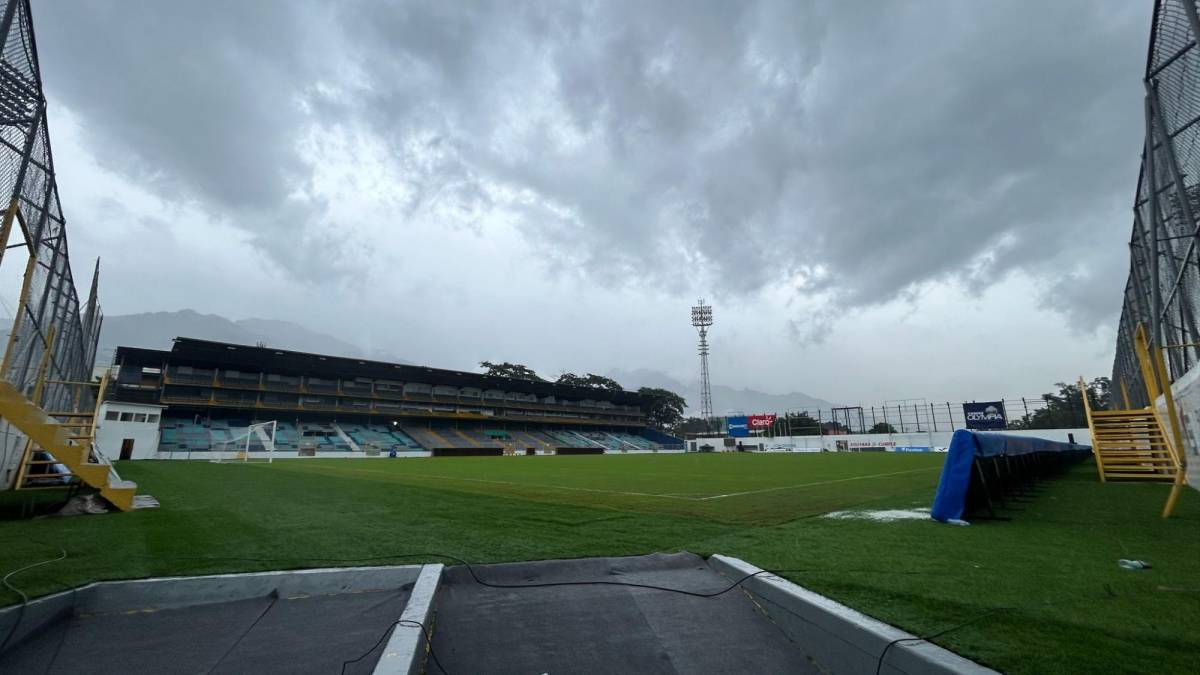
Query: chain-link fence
{"points": [[1163, 288], [920, 415], [48, 316]]}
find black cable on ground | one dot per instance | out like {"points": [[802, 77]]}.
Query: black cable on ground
{"points": [[274, 598], [883, 654], [547, 584], [475, 577], [24, 598], [978, 617], [386, 633]]}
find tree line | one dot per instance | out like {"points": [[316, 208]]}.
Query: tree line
{"points": [[663, 408]]}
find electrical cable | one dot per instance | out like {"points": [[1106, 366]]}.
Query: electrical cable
{"points": [[471, 571], [401, 622], [274, 598], [978, 617], [24, 598], [926, 638]]}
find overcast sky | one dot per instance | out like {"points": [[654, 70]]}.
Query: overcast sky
{"points": [[881, 200]]}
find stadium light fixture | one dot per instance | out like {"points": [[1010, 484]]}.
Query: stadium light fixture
{"points": [[702, 318]]}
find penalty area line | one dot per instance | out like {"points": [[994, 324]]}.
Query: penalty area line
{"points": [[821, 482]]}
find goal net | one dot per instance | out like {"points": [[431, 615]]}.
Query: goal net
{"points": [[255, 443]]}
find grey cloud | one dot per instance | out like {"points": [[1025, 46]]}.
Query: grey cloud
{"points": [[883, 146], [201, 102]]}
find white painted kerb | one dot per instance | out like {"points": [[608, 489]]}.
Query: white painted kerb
{"points": [[841, 639], [405, 648]]}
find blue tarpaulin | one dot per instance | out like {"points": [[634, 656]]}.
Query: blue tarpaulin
{"points": [[965, 446]]}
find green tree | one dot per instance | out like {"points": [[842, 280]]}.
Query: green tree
{"points": [[882, 428], [801, 424], [834, 428], [1064, 410], [664, 409], [590, 381], [693, 425], [506, 369]]}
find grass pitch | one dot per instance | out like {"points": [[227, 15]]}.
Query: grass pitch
{"points": [[1040, 593]]}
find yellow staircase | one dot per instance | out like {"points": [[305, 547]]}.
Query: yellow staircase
{"points": [[1133, 444], [67, 444]]}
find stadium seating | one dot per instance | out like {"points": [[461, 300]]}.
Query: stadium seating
{"points": [[187, 434], [601, 438], [664, 440], [570, 439], [380, 436], [533, 439], [427, 439], [479, 439], [629, 441]]}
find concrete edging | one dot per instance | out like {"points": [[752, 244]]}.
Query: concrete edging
{"points": [[841, 639], [404, 650], [159, 593]]}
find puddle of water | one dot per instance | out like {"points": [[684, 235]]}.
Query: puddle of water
{"points": [[882, 516]]}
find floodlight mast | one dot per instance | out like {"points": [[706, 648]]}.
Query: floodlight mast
{"points": [[702, 318]]}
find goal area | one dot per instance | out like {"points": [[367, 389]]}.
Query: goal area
{"points": [[255, 443]]}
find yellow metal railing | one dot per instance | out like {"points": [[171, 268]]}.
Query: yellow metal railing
{"points": [[1154, 371]]}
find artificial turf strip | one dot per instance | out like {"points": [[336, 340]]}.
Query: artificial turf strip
{"points": [[1042, 592]]}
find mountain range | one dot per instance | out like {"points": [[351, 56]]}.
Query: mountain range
{"points": [[725, 399], [156, 330]]}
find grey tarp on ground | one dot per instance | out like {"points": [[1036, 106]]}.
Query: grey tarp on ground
{"points": [[292, 635], [605, 629]]}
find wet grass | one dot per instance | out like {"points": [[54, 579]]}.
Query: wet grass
{"points": [[1038, 593]]}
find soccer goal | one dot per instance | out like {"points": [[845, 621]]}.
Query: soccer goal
{"points": [[255, 443]]}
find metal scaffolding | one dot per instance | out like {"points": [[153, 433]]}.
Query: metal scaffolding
{"points": [[52, 331], [1163, 288]]}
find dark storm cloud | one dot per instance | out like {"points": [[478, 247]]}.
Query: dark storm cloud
{"points": [[854, 148]]}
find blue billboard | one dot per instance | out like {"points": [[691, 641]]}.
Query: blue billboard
{"points": [[738, 427], [986, 416]]}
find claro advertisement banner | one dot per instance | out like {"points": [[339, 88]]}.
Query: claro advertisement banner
{"points": [[761, 422], [985, 416]]}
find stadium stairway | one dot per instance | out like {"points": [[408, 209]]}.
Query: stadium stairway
{"points": [[67, 446], [355, 447], [1132, 444]]}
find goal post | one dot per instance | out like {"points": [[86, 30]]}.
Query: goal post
{"points": [[255, 443]]}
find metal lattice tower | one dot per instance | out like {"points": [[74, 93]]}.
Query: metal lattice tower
{"points": [[702, 318]]}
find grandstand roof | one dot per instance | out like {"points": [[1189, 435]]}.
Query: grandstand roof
{"points": [[211, 354]]}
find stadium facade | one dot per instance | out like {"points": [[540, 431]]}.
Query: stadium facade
{"points": [[187, 401]]}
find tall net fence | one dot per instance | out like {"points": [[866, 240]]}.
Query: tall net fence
{"points": [[52, 332], [1163, 288], [49, 302], [920, 415]]}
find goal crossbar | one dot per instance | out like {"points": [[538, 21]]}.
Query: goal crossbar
{"points": [[255, 443]]}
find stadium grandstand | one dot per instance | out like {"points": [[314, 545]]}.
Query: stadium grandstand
{"points": [[186, 401]]}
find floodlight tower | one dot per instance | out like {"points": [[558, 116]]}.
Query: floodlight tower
{"points": [[702, 318]]}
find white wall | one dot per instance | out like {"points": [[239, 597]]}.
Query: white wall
{"points": [[1186, 391], [111, 433], [927, 440]]}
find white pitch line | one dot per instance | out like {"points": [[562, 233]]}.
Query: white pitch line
{"points": [[822, 482], [642, 494]]}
